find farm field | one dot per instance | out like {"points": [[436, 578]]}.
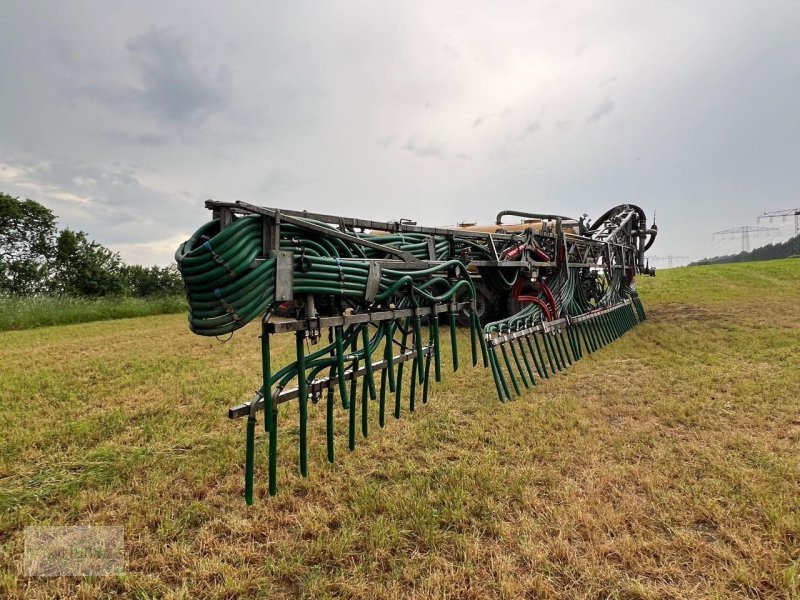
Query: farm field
{"points": [[27, 313], [664, 465]]}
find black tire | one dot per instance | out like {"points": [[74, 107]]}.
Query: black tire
{"points": [[484, 306]]}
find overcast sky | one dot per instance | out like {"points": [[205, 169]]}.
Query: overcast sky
{"points": [[124, 117]]}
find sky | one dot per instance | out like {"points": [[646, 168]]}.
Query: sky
{"points": [[124, 117]]}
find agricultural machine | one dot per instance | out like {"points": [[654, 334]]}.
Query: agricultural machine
{"points": [[367, 302]]}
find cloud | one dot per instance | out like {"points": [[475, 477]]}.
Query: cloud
{"points": [[357, 109], [277, 182], [136, 139], [112, 205], [606, 82], [602, 109], [426, 149], [530, 129], [171, 86]]}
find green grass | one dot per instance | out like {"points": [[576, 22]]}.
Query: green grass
{"points": [[27, 313], [729, 283], [664, 465]]}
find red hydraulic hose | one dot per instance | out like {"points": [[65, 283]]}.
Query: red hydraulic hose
{"points": [[517, 294], [550, 298], [541, 255], [538, 302]]}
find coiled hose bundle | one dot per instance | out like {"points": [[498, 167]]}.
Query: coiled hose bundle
{"points": [[224, 293], [227, 287]]}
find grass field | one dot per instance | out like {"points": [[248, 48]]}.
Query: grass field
{"points": [[27, 313], [665, 465]]}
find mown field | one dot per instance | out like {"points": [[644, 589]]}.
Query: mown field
{"points": [[665, 465]]}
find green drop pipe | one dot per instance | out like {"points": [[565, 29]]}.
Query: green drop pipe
{"points": [[533, 356], [473, 335], [351, 420], [481, 339], [399, 383], [249, 459], [273, 448], [526, 361], [365, 406], [388, 353], [502, 387], [266, 374], [437, 358], [541, 357], [303, 400], [562, 347], [553, 337], [453, 341], [412, 393], [551, 352], [370, 378], [340, 366], [519, 365], [329, 422], [426, 384], [382, 399], [418, 345], [511, 375]]}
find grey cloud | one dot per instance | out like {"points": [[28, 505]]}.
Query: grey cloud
{"points": [[313, 92], [531, 128], [171, 86], [278, 182], [502, 154], [136, 139], [602, 109], [111, 204], [426, 149], [451, 50], [606, 82], [502, 114]]}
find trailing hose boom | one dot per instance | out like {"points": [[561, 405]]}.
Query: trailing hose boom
{"points": [[536, 295]]}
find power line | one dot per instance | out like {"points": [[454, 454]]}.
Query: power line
{"points": [[784, 214], [745, 232], [669, 258]]}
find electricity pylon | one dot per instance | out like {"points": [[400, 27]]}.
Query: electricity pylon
{"points": [[745, 231], [669, 258], [784, 214]]}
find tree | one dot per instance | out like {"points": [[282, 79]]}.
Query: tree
{"points": [[767, 252], [27, 232], [35, 259], [153, 281], [86, 268]]}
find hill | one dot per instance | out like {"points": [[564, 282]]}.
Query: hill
{"points": [[767, 252]]}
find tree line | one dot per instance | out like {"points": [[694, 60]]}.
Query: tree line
{"points": [[768, 252], [37, 259]]}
